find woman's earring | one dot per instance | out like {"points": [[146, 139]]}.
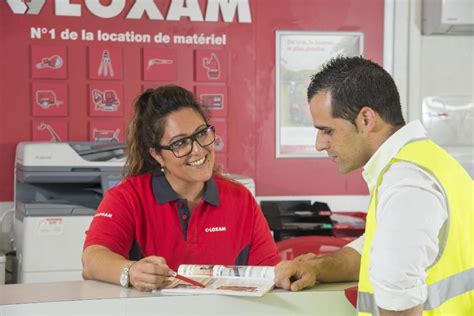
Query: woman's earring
{"points": [[162, 170]]}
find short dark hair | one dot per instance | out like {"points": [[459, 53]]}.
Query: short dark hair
{"points": [[355, 82], [147, 125]]}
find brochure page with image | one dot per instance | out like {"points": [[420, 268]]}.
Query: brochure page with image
{"points": [[222, 279]]}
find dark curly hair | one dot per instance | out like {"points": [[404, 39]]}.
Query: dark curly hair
{"points": [[146, 127], [355, 82]]}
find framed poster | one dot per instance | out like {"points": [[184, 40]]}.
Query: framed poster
{"points": [[299, 55]]}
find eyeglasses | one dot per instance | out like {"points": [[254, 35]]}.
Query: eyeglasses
{"points": [[184, 146]]}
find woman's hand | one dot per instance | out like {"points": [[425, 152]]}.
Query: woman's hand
{"points": [[150, 273]]}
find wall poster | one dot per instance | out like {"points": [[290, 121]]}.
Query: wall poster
{"points": [[299, 55]]}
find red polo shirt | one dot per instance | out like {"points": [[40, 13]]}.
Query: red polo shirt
{"points": [[143, 217]]}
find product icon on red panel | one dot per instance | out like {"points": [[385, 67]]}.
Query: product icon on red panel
{"points": [[221, 134], [48, 62], [212, 65], [100, 135], [53, 62], [54, 136], [105, 130], [105, 63], [219, 143], [158, 61], [50, 130], [159, 64], [47, 98], [212, 101], [105, 66], [106, 100]]}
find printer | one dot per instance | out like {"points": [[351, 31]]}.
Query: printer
{"points": [[57, 188]]}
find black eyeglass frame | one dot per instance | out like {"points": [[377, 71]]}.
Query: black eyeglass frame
{"points": [[192, 137]]}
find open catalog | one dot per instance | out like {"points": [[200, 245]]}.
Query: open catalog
{"points": [[221, 279]]}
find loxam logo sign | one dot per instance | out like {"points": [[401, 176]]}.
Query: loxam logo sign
{"points": [[177, 9]]}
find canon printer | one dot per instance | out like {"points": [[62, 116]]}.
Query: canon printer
{"points": [[57, 188]]}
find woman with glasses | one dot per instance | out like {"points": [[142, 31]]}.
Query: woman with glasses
{"points": [[172, 208]]}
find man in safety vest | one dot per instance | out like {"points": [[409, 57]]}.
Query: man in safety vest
{"points": [[416, 256]]}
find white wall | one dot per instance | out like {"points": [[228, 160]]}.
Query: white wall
{"points": [[433, 65], [427, 65], [447, 66]]}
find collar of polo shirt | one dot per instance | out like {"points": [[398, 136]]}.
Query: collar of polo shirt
{"points": [[164, 192]]}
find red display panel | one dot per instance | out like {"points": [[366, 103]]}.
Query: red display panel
{"points": [[303, 176], [105, 63], [211, 65], [221, 163], [213, 100], [49, 99], [106, 130], [51, 130], [246, 54], [48, 62], [105, 99], [221, 134], [160, 64]]}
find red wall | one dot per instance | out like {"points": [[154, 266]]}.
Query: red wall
{"points": [[307, 176], [250, 81]]}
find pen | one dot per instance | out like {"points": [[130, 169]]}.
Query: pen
{"points": [[188, 280]]}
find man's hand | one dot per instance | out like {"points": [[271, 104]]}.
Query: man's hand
{"points": [[295, 275], [306, 257], [305, 270]]}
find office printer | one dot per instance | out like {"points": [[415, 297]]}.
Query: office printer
{"points": [[57, 188]]}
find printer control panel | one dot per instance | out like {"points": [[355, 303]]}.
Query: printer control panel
{"points": [[110, 180]]}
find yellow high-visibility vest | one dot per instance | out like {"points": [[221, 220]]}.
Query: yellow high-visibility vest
{"points": [[450, 279]]}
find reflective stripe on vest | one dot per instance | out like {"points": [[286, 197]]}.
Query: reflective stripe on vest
{"points": [[438, 293], [366, 303]]}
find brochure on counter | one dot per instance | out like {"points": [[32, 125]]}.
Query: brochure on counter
{"points": [[223, 279]]}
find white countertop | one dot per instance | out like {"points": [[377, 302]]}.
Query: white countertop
{"points": [[98, 298]]}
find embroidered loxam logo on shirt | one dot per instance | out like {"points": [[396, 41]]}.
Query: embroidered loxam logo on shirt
{"points": [[103, 214], [215, 229]]}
